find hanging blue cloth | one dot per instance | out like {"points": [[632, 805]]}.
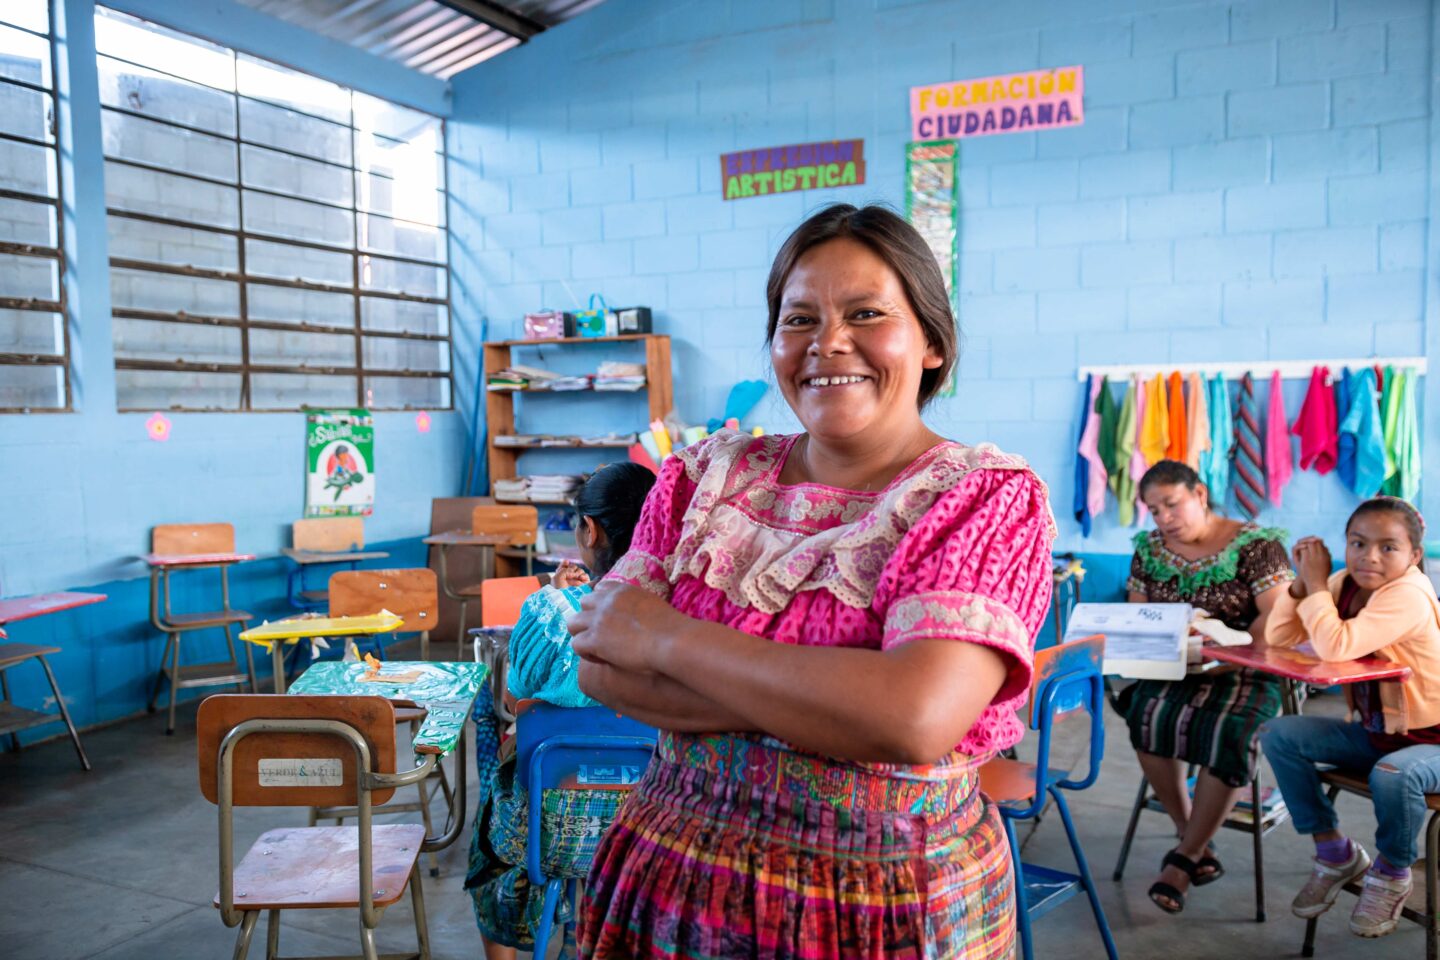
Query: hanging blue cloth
{"points": [[1345, 446], [1366, 433], [1215, 462], [1082, 465]]}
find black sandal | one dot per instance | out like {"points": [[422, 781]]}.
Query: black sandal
{"points": [[1162, 889], [1208, 860]]}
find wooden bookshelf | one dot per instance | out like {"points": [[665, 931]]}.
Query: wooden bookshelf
{"points": [[500, 404]]}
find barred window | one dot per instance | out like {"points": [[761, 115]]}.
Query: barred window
{"points": [[34, 341], [277, 241]]}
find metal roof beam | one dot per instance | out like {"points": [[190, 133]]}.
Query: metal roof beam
{"points": [[501, 18]]}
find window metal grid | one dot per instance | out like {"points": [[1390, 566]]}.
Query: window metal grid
{"points": [[32, 20], [363, 257]]}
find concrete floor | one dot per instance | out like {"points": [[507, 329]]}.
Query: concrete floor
{"points": [[120, 863]]}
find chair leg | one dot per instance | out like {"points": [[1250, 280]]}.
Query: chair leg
{"points": [[1257, 837], [460, 632], [1308, 950], [174, 684], [417, 903], [1085, 878], [5, 694], [425, 645], [547, 918], [1432, 880], [160, 674], [1130, 830], [429, 829], [272, 936], [247, 930], [64, 712], [367, 943], [1022, 909], [249, 658]]}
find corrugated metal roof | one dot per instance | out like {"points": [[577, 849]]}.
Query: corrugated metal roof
{"points": [[438, 37]]}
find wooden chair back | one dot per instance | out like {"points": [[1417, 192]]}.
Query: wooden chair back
{"points": [[502, 597], [412, 594], [519, 523], [188, 539], [328, 534], [267, 765], [1086, 655], [466, 566]]}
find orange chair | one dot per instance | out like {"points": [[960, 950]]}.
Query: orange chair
{"points": [[500, 603]]}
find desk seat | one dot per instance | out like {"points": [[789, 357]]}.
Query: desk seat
{"points": [[318, 867], [205, 674], [1013, 781], [1361, 785], [13, 653], [211, 618]]}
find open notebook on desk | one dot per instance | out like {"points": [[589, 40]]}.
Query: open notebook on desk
{"points": [[1143, 641]]}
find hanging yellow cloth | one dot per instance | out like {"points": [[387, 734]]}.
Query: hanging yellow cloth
{"points": [[1155, 429]]}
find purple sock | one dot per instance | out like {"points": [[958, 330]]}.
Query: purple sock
{"points": [[1388, 870], [1333, 851]]}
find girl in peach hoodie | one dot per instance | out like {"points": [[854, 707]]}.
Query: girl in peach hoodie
{"points": [[1381, 605]]}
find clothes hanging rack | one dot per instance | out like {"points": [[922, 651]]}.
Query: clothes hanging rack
{"points": [[1258, 369]]}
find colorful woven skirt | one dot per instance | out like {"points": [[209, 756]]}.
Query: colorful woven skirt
{"points": [[1207, 719], [737, 847]]}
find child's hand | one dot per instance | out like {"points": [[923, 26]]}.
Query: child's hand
{"points": [[569, 575], [1312, 563]]}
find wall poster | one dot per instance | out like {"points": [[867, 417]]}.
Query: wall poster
{"points": [[1009, 103], [339, 463], [799, 166]]}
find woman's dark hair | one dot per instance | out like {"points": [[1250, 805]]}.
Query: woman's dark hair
{"points": [[613, 496], [900, 246], [1170, 473], [1409, 516]]}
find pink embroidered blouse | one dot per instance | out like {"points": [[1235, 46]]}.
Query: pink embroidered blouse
{"points": [[956, 547]]}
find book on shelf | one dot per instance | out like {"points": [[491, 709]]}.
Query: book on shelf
{"points": [[543, 440]]}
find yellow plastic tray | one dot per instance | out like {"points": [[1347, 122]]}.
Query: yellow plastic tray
{"points": [[292, 631]]}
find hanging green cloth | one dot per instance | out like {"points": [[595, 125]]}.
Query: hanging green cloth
{"points": [[1122, 478], [1109, 419], [1403, 443], [1390, 418]]}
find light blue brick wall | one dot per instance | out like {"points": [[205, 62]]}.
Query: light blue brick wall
{"points": [[1252, 182]]}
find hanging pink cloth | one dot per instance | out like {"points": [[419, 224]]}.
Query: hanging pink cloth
{"points": [[1279, 461], [1138, 463], [1090, 450], [1317, 425]]}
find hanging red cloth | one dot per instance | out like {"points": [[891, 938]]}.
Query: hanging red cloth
{"points": [[1317, 425], [1176, 404]]}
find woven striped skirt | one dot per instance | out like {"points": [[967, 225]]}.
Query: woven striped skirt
{"points": [[736, 847], [1206, 719]]}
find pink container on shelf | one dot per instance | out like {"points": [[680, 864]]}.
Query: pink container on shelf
{"points": [[546, 325]]}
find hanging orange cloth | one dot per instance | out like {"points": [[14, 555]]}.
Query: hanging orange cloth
{"points": [[1197, 433], [1175, 450], [1155, 427]]}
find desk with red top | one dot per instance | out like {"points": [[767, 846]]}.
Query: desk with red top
{"points": [[1300, 664], [13, 719]]}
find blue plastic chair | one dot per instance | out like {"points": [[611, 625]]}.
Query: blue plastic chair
{"points": [[574, 748], [1067, 678]]}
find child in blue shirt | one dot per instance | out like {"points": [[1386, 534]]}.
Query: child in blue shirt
{"points": [[542, 666]]}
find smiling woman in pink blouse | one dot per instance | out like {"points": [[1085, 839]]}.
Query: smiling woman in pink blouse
{"points": [[833, 631]]}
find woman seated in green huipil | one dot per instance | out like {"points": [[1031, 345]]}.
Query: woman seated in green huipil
{"points": [[1235, 571]]}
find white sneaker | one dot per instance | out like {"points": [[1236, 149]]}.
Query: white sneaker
{"points": [[1326, 881], [1378, 910]]}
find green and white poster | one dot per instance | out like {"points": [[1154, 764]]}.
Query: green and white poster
{"points": [[339, 463]]}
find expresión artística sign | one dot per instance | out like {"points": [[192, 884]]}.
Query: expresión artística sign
{"points": [[1010, 103], [800, 166]]}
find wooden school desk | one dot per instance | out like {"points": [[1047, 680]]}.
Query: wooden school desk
{"points": [[1297, 665], [13, 719], [445, 691], [276, 636]]}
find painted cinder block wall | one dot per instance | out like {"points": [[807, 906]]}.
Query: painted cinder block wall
{"points": [[1251, 182]]}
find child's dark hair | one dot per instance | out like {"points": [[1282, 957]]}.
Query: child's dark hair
{"points": [[1170, 473], [613, 496], [1409, 516]]}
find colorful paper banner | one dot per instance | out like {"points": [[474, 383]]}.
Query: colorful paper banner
{"points": [[799, 166], [1009, 103]]}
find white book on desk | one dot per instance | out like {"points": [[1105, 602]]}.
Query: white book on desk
{"points": [[1143, 641]]}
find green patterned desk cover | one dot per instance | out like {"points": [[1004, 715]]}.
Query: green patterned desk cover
{"points": [[446, 690]]}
